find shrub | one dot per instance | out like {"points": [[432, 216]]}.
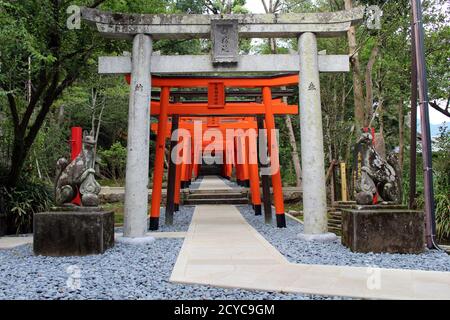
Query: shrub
{"points": [[442, 216], [441, 182], [21, 202], [113, 161]]}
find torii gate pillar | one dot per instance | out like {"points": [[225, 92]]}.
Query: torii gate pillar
{"points": [[136, 179], [314, 195]]}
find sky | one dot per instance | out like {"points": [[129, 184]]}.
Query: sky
{"points": [[438, 118], [255, 6]]}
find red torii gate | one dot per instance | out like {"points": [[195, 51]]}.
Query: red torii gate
{"points": [[218, 107], [246, 172]]}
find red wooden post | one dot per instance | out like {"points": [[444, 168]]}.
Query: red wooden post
{"points": [[276, 177], [237, 164], [178, 182], [254, 174], [158, 171], [245, 168], [76, 144]]}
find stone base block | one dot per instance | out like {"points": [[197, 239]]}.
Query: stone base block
{"points": [[136, 241], [384, 230], [322, 237], [73, 233]]}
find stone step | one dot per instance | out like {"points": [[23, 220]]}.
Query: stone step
{"points": [[216, 201], [344, 206], [383, 207], [335, 230], [223, 191], [337, 203], [371, 207], [215, 196], [335, 213], [335, 221]]}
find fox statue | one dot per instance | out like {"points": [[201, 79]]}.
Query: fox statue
{"points": [[78, 176]]}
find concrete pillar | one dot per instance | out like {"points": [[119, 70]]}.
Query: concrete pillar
{"points": [[313, 158], [136, 180]]}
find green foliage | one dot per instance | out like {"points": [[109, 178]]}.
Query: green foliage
{"points": [[441, 183], [442, 202], [441, 172], [442, 159], [21, 202], [113, 161]]}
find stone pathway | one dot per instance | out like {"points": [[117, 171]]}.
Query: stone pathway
{"points": [[213, 183], [221, 249], [10, 242]]}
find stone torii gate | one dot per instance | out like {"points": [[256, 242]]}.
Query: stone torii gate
{"points": [[224, 31]]}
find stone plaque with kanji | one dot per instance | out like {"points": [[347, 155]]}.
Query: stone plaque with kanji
{"points": [[225, 41]]}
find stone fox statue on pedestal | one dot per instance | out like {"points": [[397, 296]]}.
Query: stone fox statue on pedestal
{"points": [[377, 175], [78, 175]]}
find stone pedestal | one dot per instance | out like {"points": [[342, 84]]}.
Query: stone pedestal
{"points": [[383, 230], [73, 232]]}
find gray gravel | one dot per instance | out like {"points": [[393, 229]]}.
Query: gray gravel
{"points": [[334, 253], [143, 272], [181, 220], [123, 272]]}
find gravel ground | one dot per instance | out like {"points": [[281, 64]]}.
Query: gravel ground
{"points": [[334, 253], [143, 272], [181, 220], [123, 272]]}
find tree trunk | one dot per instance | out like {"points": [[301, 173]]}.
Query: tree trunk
{"points": [[17, 159], [380, 143], [61, 115], [295, 157], [273, 8], [99, 124], [369, 85], [358, 93], [401, 136]]}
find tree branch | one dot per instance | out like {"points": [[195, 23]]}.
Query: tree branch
{"points": [[97, 3], [276, 6], [369, 89], [13, 109], [435, 106], [36, 95], [211, 7], [265, 6]]}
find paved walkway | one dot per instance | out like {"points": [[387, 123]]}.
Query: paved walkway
{"points": [[10, 242], [213, 183], [222, 249]]}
